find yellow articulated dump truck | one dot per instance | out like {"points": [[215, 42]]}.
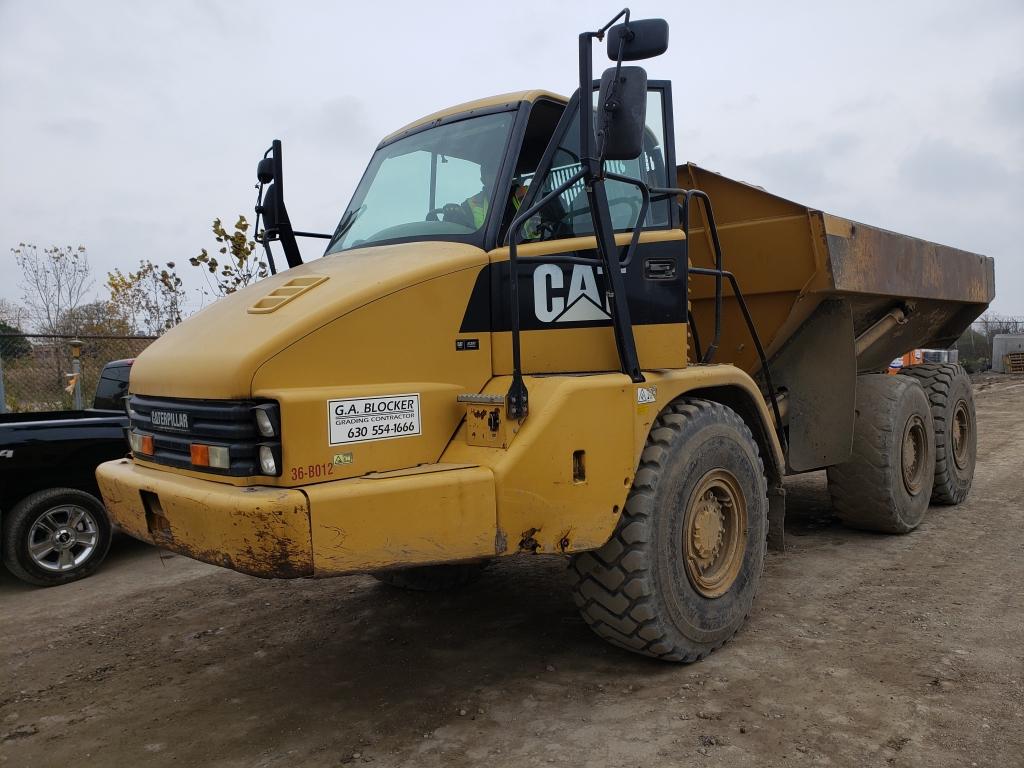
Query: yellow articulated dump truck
{"points": [[532, 334]]}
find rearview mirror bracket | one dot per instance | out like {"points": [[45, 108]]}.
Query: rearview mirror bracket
{"points": [[277, 225]]}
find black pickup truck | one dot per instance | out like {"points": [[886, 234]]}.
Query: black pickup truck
{"points": [[53, 528]]}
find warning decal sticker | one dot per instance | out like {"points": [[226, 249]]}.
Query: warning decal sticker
{"points": [[362, 419], [646, 395]]}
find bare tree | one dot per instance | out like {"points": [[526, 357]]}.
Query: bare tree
{"points": [[993, 324], [12, 321], [54, 282], [13, 314]]}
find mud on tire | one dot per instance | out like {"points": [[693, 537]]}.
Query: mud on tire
{"points": [[886, 484], [433, 578], [646, 590], [956, 436]]}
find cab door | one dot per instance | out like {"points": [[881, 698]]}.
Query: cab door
{"points": [[564, 315]]}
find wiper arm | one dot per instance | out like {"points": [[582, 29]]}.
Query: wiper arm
{"points": [[346, 224]]}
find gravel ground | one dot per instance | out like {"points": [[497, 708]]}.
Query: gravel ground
{"points": [[862, 650]]}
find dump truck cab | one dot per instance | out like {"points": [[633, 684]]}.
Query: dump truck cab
{"points": [[497, 355]]}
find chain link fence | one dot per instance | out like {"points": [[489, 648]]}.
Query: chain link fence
{"points": [[39, 372]]}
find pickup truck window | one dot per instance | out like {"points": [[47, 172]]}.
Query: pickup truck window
{"points": [[111, 388]]}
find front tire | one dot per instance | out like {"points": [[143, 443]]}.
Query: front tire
{"points": [[55, 536], [679, 574]]}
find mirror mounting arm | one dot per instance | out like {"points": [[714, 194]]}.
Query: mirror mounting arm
{"points": [[593, 178], [272, 208]]}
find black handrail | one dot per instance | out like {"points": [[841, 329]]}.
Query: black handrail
{"points": [[719, 273], [645, 195], [518, 398], [687, 195], [694, 333]]}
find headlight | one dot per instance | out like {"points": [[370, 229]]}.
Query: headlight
{"points": [[264, 424], [268, 464], [266, 419]]}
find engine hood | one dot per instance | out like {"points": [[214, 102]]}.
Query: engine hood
{"points": [[215, 353]]}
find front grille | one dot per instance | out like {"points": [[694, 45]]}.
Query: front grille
{"points": [[179, 423]]}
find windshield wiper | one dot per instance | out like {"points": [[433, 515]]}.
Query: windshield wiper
{"points": [[345, 225]]}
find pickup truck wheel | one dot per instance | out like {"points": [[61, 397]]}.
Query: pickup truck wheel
{"points": [[886, 483], [956, 436], [433, 578], [55, 536], [677, 578]]}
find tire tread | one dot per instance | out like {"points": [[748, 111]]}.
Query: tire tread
{"points": [[937, 380], [861, 488], [613, 587]]}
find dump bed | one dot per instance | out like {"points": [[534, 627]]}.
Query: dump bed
{"points": [[816, 283], [789, 258]]}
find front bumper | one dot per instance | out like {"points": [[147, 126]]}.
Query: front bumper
{"points": [[256, 530], [427, 514]]}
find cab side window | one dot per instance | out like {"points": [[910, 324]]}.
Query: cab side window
{"points": [[540, 128], [569, 214]]}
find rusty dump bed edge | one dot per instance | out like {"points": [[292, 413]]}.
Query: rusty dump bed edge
{"points": [[789, 259]]}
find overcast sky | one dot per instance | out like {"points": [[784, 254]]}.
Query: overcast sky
{"points": [[128, 126]]}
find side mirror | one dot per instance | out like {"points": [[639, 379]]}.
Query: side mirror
{"points": [[621, 113], [642, 39], [265, 170], [270, 209]]}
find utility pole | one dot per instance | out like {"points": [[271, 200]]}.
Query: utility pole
{"points": [[3, 392], [76, 371]]}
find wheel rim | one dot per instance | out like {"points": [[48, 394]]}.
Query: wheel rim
{"points": [[961, 434], [914, 450], [715, 533], [63, 538]]}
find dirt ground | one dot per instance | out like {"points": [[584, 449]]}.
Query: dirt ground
{"points": [[862, 650]]}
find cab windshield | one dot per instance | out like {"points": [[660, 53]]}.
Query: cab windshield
{"points": [[436, 184]]}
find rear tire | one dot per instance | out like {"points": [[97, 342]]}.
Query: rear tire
{"points": [[678, 576], [951, 398], [55, 536], [433, 578], [886, 484]]}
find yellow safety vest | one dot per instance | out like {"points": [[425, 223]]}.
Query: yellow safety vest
{"points": [[530, 229], [478, 207]]}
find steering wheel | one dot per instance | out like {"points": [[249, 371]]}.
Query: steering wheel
{"points": [[547, 229], [453, 213]]}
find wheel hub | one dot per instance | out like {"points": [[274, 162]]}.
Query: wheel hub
{"points": [[708, 528], [961, 434], [714, 533], [63, 538], [914, 450]]}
